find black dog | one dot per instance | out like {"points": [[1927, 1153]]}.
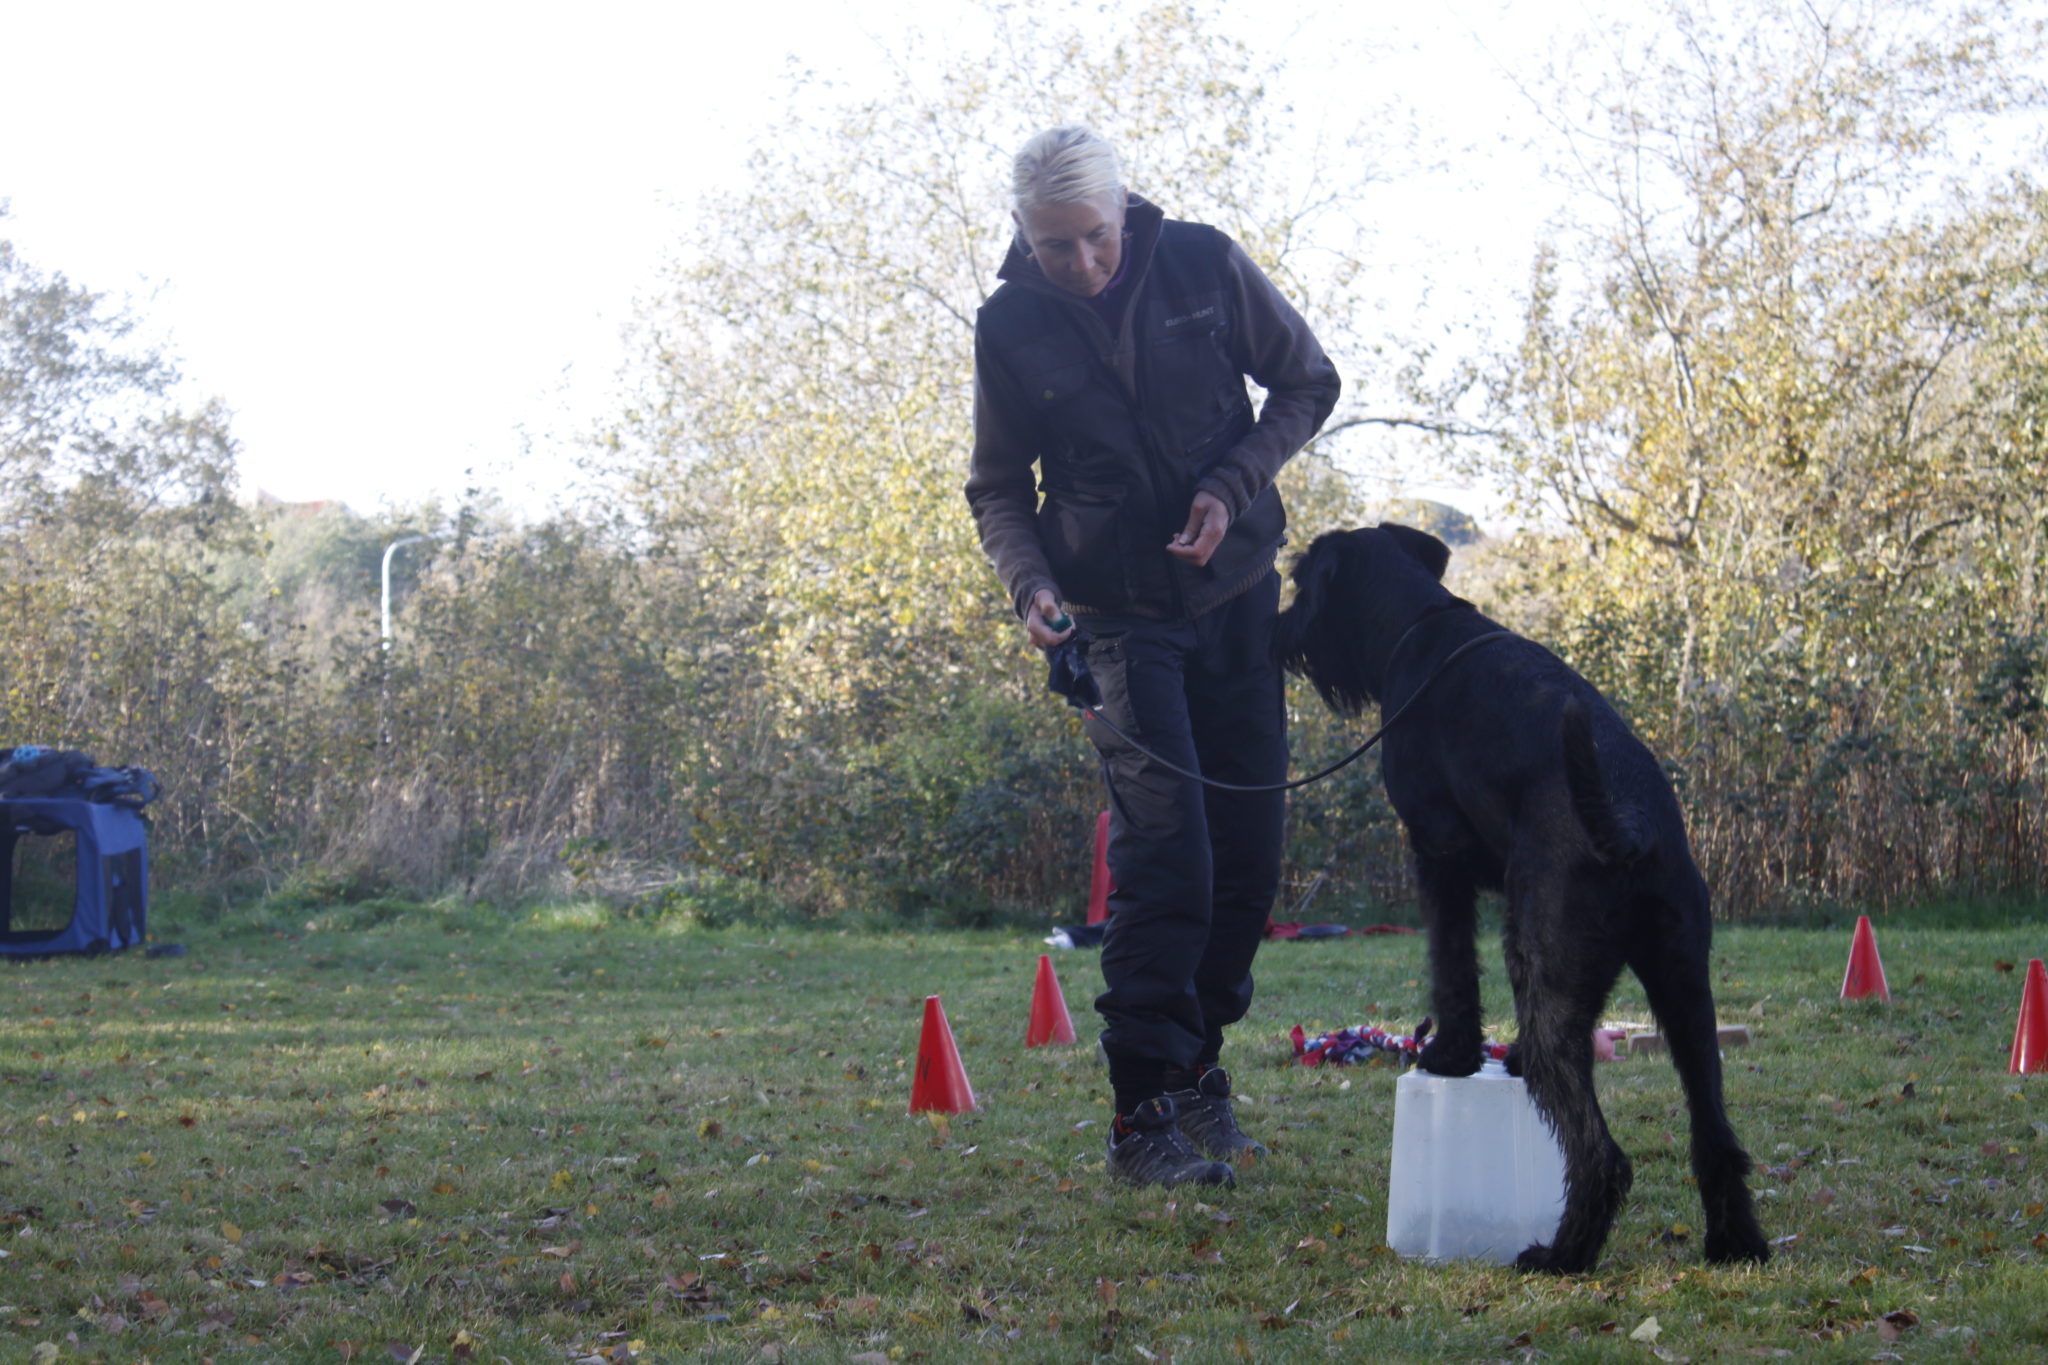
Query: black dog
{"points": [[1513, 774]]}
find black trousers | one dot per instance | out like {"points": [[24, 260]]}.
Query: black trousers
{"points": [[1196, 869]]}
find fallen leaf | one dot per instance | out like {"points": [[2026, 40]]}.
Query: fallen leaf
{"points": [[1646, 1331], [1891, 1324], [397, 1208], [231, 1232]]}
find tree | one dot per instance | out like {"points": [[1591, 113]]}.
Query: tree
{"points": [[804, 426], [1767, 361], [1777, 383], [113, 501], [805, 423]]}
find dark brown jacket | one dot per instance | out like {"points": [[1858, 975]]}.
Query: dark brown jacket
{"points": [[1126, 424]]}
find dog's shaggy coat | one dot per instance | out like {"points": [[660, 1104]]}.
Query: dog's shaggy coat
{"points": [[1513, 774]]}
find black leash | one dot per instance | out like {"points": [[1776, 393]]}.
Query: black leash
{"points": [[1343, 762]]}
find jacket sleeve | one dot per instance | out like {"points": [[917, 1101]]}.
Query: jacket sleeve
{"points": [[1001, 489], [1271, 343]]}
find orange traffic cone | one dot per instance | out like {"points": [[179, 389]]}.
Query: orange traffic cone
{"points": [[1050, 1022], [1100, 884], [1866, 973], [941, 1083], [2030, 1039]]}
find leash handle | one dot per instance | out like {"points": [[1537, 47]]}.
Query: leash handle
{"points": [[1344, 762]]}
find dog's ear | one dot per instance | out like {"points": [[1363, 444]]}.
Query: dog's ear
{"points": [[1424, 548]]}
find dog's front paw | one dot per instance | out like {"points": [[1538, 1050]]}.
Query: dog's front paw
{"points": [[1444, 1056], [1513, 1061]]}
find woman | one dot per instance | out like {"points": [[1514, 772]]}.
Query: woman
{"points": [[1114, 357]]}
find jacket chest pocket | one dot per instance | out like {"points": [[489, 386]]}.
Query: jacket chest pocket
{"points": [[1056, 389], [1191, 385], [1087, 419]]}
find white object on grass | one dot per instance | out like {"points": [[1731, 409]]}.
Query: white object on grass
{"points": [[1477, 1174]]}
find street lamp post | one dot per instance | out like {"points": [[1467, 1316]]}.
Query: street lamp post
{"points": [[389, 550], [384, 693]]}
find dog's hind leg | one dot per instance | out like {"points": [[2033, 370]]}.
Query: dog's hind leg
{"points": [[1562, 976], [1675, 980], [1449, 898]]}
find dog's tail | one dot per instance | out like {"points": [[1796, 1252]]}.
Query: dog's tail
{"points": [[1616, 830]]}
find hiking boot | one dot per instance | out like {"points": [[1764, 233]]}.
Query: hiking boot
{"points": [[1208, 1122], [1147, 1149]]}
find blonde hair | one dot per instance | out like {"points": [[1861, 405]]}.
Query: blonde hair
{"points": [[1066, 165]]}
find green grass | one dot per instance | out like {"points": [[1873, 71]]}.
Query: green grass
{"points": [[554, 1136]]}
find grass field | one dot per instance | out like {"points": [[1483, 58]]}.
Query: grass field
{"points": [[393, 1134]]}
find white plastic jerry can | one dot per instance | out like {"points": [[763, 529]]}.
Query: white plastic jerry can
{"points": [[1477, 1173]]}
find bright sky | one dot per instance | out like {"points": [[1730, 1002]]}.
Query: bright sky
{"points": [[400, 240]]}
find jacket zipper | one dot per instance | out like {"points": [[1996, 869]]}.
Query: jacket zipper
{"points": [[1160, 471], [1155, 461]]}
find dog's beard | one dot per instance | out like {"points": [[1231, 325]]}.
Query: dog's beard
{"points": [[1306, 652], [1342, 692]]}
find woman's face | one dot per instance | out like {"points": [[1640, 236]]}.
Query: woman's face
{"points": [[1078, 245]]}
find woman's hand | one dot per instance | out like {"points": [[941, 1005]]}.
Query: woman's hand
{"points": [[1038, 622], [1208, 519]]}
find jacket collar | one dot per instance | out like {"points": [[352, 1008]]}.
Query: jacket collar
{"points": [[1142, 220]]}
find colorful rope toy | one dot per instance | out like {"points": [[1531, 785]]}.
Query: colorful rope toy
{"points": [[1349, 1046]]}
